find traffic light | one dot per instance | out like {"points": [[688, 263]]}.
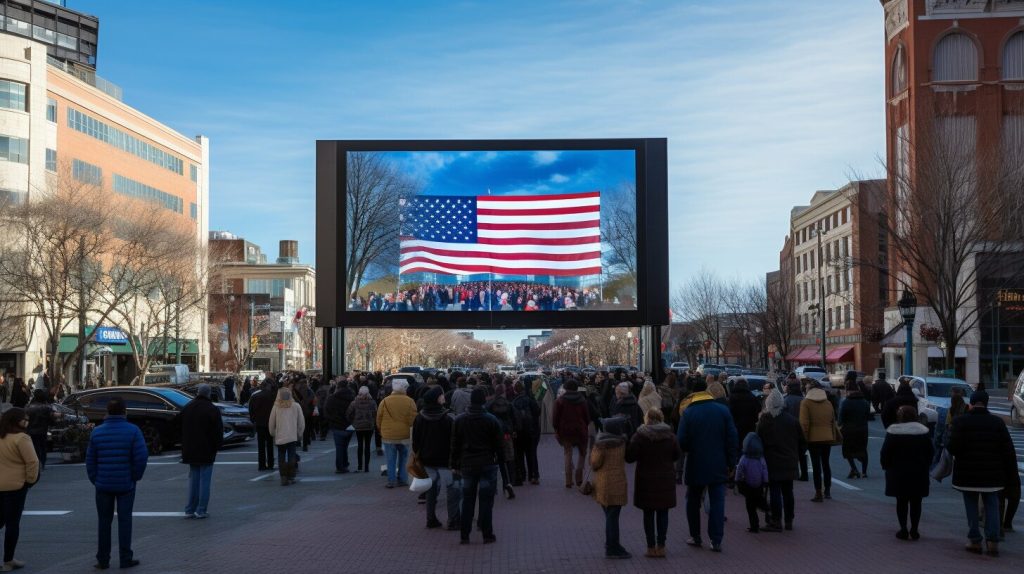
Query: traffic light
{"points": [[254, 344]]}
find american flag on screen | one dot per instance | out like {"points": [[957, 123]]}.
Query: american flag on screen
{"points": [[509, 235]]}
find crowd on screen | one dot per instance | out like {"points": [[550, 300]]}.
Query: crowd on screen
{"points": [[481, 296]]}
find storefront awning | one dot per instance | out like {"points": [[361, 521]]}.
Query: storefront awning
{"points": [[68, 344], [840, 354], [795, 353], [808, 355]]}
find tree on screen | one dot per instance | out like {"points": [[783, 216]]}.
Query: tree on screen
{"points": [[619, 232], [372, 190]]}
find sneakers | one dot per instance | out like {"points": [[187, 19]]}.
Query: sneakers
{"points": [[695, 542], [903, 534], [434, 523], [617, 554], [129, 564], [201, 515], [12, 565]]}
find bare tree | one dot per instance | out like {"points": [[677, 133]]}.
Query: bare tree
{"points": [[780, 321], [700, 302], [619, 232], [373, 190], [954, 207]]}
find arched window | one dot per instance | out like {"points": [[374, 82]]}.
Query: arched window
{"points": [[956, 59], [899, 72], [1013, 57]]}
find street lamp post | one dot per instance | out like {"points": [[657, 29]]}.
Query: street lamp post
{"points": [[908, 310], [629, 349], [611, 339], [819, 232]]}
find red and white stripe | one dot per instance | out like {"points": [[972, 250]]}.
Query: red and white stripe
{"points": [[519, 235]]}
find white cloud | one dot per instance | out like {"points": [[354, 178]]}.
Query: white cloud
{"points": [[559, 178], [545, 157]]}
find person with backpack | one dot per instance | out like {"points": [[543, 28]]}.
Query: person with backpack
{"points": [[526, 414], [431, 442], [752, 477], [500, 408]]}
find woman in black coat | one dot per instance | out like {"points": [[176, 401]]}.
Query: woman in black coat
{"points": [[654, 449], [906, 458], [853, 420], [745, 409]]}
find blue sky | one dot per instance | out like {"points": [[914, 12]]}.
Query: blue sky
{"points": [[763, 102], [518, 172]]}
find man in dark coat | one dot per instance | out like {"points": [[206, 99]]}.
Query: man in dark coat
{"points": [[260, 405], [795, 396], [744, 407], [571, 420], [881, 392], [904, 397], [432, 443], [708, 435], [475, 454], [229, 389], [526, 411], [115, 461], [335, 413], [983, 460], [202, 431]]}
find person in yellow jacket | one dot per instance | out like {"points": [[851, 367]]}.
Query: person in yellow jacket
{"points": [[818, 421], [395, 416], [19, 469]]}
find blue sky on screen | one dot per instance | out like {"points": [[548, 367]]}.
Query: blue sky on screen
{"points": [[762, 102], [518, 172]]}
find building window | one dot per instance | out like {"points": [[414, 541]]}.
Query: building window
{"points": [[51, 159], [193, 173], [65, 41], [18, 27], [12, 96], [192, 210], [123, 141], [1013, 58], [956, 59], [86, 172], [14, 149], [899, 72], [44, 35], [847, 321], [51, 110], [829, 319], [139, 190], [828, 283], [798, 265]]}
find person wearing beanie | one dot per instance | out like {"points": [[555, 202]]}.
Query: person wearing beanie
{"points": [[431, 442], [784, 446], [983, 461], [202, 431], [476, 452]]}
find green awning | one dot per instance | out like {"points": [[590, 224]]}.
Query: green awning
{"points": [[68, 344], [188, 347]]}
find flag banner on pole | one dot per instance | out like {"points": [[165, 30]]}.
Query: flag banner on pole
{"points": [[558, 234]]}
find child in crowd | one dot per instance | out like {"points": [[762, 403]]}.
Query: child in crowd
{"points": [[752, 477]]}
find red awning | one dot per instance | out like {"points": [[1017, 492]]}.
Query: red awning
{"points": [[808, 355], [839, 354], [795, 353]]}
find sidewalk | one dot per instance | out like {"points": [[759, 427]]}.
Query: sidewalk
{"points": [[359, 525]]}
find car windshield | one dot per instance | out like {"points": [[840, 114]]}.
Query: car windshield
{"points": [[943, 389], [176, 397], [813, 370]]}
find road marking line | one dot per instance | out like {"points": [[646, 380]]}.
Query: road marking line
{"points": [[46, 512], [845, 485], [262, 476], [158, 514]]}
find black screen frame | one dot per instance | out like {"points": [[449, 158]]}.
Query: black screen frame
{"points": [[651, 156]]}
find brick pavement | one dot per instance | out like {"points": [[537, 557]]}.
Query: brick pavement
{"points": [[356, 525]]}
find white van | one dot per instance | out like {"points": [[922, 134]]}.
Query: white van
{"points": [[174, 374]]}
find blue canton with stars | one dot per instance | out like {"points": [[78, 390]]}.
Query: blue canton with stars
{"points": [[449, 219]]}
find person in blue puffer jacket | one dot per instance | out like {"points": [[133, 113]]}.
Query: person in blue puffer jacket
{"points": [[115, 461]]}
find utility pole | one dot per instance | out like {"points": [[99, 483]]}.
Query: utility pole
{"points": [[821, 294], [252, 311], [81, 313]]}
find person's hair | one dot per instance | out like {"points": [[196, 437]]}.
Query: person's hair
{"points": [[571, 385], [906, 414], [499, 390], [698, 385], [654, 416], [9, 422], [957, 404], [116, 407], [623, 389], [364, 391], [399, 386], [518, 387], [284, 398], [741, 384]]}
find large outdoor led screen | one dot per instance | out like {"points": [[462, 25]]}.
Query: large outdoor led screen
{"points": [[491, 231]]}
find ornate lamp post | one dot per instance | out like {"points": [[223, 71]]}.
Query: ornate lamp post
{"points": [[629, 348], [908, 310]]}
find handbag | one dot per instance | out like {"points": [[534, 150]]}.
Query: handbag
{"points": [[943, 468], [419, 485], [415, 468], [587, 488], [837, 434]]}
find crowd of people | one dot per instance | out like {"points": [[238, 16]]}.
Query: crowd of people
{"points": [[457, 435], [478, 296]]}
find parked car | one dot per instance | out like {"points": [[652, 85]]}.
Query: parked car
{"points": [[410, 369], [680, 367], [813, 372], [838, 380], [157, 411], [733, 370], [167, 374], [934, 391], [1017, 402], [192, 388]]}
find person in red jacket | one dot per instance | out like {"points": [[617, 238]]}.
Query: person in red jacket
{"points": [[571, 421]]}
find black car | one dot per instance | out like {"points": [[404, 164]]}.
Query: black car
{"points": [[157, 411]]}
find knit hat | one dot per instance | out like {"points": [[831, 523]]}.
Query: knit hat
{"points": [[430, 397], [478, 397], [203, 391], [979, 397]]}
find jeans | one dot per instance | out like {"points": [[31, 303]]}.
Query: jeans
{"points": [[781, 495], [485, 481], [105, 503], [611, 528], [452, 492], [716, 514], [820, 453], [12, 504], [39, 443], [199, 478], [908, 505], [526, 458], [991, 502], [396, 454], [341, 440], [656, 527], [363, 438], [581, 451], [286, 452], [265, 446]]}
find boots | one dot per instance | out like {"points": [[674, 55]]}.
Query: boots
{"points": [[282, 469], [293, 468], [828, 493], [568, 479], [991, 548], [579, 476], [817, 496]]}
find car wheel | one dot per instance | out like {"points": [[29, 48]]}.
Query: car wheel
{"points": [[154, 442]]}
